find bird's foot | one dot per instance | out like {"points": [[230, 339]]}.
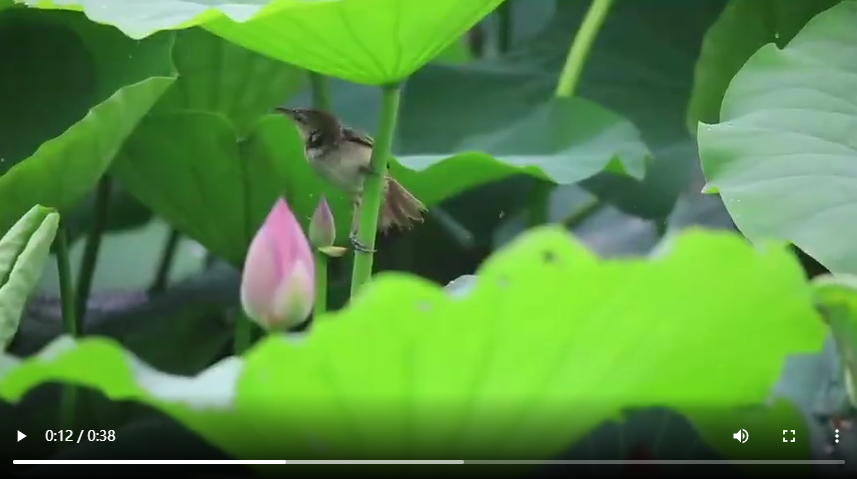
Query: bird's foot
{"points": [[358, 246]]}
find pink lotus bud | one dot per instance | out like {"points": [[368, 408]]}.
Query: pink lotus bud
{"points": [[322, 230], [278, 282]]}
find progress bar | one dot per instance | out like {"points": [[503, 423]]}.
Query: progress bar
{"points": [[653, 462], [112, 462]]}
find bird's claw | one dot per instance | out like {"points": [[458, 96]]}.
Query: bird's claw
{"points": [[358, 246]]}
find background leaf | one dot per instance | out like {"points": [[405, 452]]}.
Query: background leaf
{"points": [[58, 156], [192, 169], [220, 77], [783, 157], [571, 135], [742, 28], [640, 67]]}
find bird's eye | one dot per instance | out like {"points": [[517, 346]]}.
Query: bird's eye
{"points": [[314, 139]]}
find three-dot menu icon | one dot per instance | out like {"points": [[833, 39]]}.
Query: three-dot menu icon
{"points": [[836, 436]]}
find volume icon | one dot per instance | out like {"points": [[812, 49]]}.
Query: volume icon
{"points": [[741, 436]]}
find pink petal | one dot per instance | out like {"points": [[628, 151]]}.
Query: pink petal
{"points": [[260, 277], [284, 229], [278, 284], [295, 296]]}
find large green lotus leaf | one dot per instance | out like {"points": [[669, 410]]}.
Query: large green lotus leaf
{"points": [[194, 170], [783, 158], [23, 251], [564, 141], [514, 367], [742, 28], [640, 68], [365, 41], [218, 76], [72, 91]]}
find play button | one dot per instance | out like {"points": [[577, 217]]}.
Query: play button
{"points": [[21, 435]]}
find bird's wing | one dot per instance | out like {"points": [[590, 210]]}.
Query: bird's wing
{"points": [[350, 134], [360, 137]]}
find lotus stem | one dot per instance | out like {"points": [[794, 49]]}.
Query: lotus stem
{"points": [[504, 26], [538, 212], [243, 337], [320, 91], [320, 306], [71, 325], [580, 47], [373, 186], [165, 266], [93, 244], [569, 78]]}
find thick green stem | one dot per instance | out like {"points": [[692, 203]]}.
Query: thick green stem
{"points": [[243, 336], [93, 244], [566, 88], [320, 284], [582, 213], [538, 212], [476, 40], [320, 91], [373, 187], [162, 275], [580, 47], [70, 319], [504, 25]]}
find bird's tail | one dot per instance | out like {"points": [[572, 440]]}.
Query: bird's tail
{"points": [[400, 208]]}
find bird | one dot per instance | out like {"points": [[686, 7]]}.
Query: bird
{"points": [[341, 155]]}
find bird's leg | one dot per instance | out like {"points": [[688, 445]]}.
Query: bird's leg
{"points": [[355, 223]]}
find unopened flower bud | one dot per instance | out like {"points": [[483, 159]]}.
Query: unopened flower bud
{"points": [[322, 229], [278, 281]]}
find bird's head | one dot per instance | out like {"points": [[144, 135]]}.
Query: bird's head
{"points": [[316, 127]]}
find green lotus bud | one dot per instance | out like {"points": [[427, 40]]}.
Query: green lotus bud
{"points": [[23, 251], [322, 230]]}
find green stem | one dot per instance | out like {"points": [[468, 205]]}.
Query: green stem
{"points": [[162, 275], [320, 91], [243, 336], [373, 186], [538, 212], [476, 40], [320, 284], [566, 88], [580, 47], [93, 244], [582, 213], [504, 25], [71, 324]]}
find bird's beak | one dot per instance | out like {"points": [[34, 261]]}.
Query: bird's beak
{"points": [[285, 111], [296, 120]]}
